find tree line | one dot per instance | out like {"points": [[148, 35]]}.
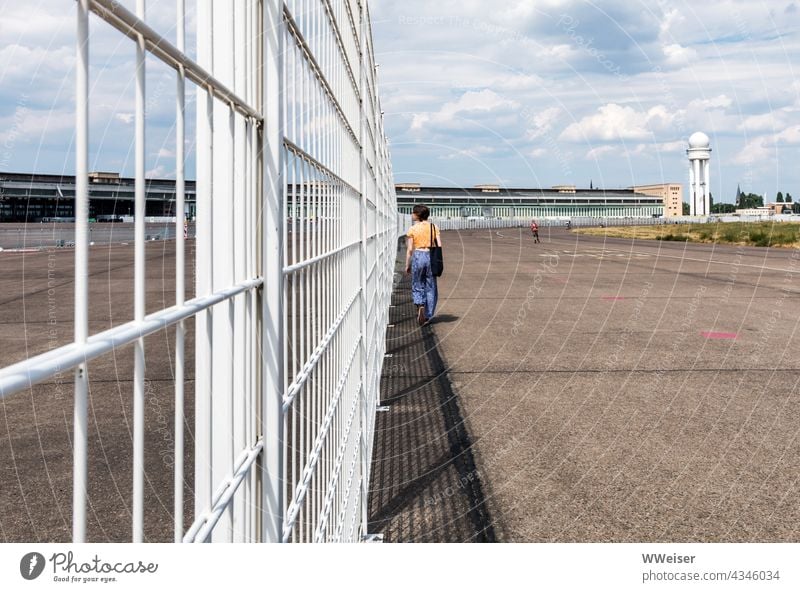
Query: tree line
{"points": [[749, 201]]}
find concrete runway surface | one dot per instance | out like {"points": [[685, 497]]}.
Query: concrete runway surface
{"points": [[585, 389], [36, 304], [580, 389]]}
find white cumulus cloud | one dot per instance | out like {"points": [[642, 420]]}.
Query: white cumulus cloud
{"points": [[485, 107], [762, 150], [678, 56], [600, 151], [618, 122]]}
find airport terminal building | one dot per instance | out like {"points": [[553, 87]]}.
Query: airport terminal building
{"points": [[34, 198], [563, 201]]}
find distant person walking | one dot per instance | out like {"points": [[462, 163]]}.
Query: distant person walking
{"points": [[535, 231], [424, 290]]}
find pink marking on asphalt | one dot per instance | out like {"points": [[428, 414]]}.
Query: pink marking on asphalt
{"points": [[718, 335]]}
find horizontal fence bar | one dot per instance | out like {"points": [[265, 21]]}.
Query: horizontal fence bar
{"points": [[320, 75], [191, 534], [340, 45], [292, 147], [343, 442], [131, 26], [201, 529], [37, 369], [319, 258], [302, 488], [346, 499], [304, 374]]}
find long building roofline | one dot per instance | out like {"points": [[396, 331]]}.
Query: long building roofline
{"points": [[57, 178], [481, 189]]}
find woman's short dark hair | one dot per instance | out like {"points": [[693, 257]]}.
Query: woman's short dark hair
{"points": [[422, 211]]}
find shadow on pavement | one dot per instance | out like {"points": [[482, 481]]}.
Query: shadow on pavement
{"points": [[425, 485], [445, 318]]}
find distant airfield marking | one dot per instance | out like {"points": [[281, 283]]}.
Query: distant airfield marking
{"points": [[712, 261], [600, 255]]}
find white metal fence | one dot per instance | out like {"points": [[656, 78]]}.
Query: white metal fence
{"points": [[296, 241], [337, 270]]}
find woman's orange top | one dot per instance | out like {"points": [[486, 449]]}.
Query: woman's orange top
{"points": [[420, 233]]}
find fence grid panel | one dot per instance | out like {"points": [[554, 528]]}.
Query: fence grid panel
{"points": [[339, 249], [296, 236]]}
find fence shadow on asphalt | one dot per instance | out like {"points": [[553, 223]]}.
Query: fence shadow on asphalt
{"points": [[425, 486]]}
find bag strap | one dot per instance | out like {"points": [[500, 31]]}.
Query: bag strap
{"points": [[433, 235]]}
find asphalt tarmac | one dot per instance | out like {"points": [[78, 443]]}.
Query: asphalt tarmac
{"points": [[36, 308], [594, 390], [577, 390]]}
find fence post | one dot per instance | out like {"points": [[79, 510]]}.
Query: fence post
{"points": [[204, 265], [272, 259], [139, 289], [363, 270], [79, 467], [180, 266]]}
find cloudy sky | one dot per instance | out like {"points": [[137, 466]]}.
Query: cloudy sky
{"points": [[516, 92], [37, 88], [539, 93]]}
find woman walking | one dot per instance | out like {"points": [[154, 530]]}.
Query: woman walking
{"points": [[419, 239]]}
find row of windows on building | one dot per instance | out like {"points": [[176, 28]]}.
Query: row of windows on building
{"points": [[541, 211], [33, 210]]}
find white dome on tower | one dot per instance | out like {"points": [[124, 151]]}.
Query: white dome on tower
{"points": [[699, 140], [699, 154]]}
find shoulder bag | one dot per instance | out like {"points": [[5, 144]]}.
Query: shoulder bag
{"points": [[437, 260]]}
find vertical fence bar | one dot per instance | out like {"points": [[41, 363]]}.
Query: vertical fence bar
{"points": [[239, 222], [222, 453], [180, 270], [204, 266], [80, 422], [139, 291], [272, 241], [254, 39], [364, 346]]}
